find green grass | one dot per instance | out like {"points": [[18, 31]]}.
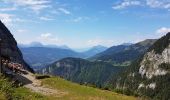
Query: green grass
{"points": [[73, 91], [2, 96], [65, 91], [22, 93], [9, 92]]}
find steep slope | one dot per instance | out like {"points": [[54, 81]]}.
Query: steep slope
{"points": [[150, 75], [94, 50], [124, 53], [39, 57], [61, 90], [9, 47], [82, 71]]}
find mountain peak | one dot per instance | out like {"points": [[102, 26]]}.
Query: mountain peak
{"points": [[127, 44], [147, 42], [94, 50], [99, 47], [36, 44]]}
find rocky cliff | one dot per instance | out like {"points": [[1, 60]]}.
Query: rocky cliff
{"points": [[9, 47], [149, 66], [148, 76]]}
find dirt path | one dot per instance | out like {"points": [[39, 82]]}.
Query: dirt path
{"points": [[34, 84], [42, 90], [29, 81]]}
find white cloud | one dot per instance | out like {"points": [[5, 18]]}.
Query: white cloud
{"points": [[78, 19], [40, 8], [46, 18], [163, 4], [48, 38], [158, 4], [8, 9], [163, 30], [65, 11], [98, 41], [46, 35], [21, 31], [6, 18], [94, 42], [154, 3], [127, 3], [10, 19], [35, 5]]}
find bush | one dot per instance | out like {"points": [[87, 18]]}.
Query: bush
{"points": [[42, 76], [6, 87]]}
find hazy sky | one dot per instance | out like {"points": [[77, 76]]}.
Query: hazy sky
{"points": [[85, 23]]}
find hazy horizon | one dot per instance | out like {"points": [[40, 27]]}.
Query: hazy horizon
{"points": [[83, 24]]}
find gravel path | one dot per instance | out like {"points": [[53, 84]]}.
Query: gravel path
{"points": [[34, 84]]}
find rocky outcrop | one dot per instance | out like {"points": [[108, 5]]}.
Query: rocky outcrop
{"points": [[149, 75], [151, 62], [9, 47], [151, 86], [124, 54]]}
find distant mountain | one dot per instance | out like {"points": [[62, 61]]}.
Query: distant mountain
{"points": [[94, 50], [81, 49], [38, 44], [123, 54], [127, 44], [38, 57], [42, 55], [9, 47], [32, 44], [82, 71], [149, 76], [55, 46]]}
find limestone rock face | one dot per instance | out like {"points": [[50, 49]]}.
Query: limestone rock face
{"points": [[9, 47], [149, 66]]}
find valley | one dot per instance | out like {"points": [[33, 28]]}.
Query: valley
{"points": [[46, 55], [84, 50]]}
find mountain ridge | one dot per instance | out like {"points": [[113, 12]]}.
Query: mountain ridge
{"points": [[124, 53], [9, 47], [149, 75], [81, 71]]}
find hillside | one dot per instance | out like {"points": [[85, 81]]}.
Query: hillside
{"points": [[65, 91], [94, 50], [148, 76], [39, 57], [9, 47], [82, 71], [124, 54]]}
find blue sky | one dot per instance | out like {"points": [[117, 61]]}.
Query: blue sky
{"points": [[85, 23]]}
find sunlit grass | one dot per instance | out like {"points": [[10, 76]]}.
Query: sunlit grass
{"points": [[2, 96], [73, 91], [65, 91], [26, 94]]}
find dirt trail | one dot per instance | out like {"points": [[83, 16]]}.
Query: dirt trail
{"points": [[34, 84], [29, 81]]}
